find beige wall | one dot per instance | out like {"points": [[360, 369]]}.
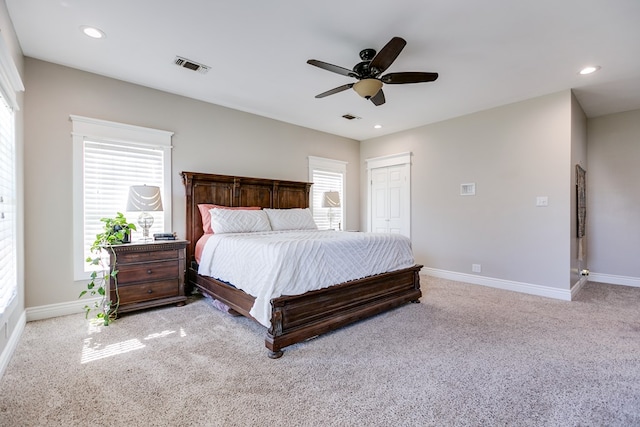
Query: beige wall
{"points": [[613, 197], [208, 138], [514, 154]]}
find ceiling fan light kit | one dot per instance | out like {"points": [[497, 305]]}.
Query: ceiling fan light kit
{"points": [[368, 72], [368, 87]]}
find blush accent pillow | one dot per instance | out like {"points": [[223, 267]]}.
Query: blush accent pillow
{"points": [[239, 221], [291, 219], [206, 216]]}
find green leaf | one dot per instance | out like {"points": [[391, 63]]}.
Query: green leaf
{"points": [[113, 233]]}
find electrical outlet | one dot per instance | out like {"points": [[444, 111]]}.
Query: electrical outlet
{"points": [[476, 268], [542, 201]]}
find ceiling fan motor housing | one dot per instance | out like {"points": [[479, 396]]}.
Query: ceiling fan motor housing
{"points": [[362, 69]]}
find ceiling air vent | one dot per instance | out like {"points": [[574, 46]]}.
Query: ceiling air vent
{"points": [[191, 65], [350, 117]]}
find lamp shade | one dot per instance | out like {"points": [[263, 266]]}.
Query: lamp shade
{"points": [[331, 199], [144, 198]]}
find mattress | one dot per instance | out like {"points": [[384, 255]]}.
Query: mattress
{"points": [[270, 264]]}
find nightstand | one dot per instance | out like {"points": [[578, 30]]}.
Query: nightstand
{"points": [[149, 274]]}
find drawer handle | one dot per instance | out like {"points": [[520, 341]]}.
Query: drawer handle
{"points": [[149, 271], [150, 291]]}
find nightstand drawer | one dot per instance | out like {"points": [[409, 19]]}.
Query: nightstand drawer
{"points": [[150, 271], [133, 257], [148, 291]]}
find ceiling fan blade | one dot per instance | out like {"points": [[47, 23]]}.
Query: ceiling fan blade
{"points": [[333, 68], [408, 77], [378, 98], [387, 55], [335, 90]]}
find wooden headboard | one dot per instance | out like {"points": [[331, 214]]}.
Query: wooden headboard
{"points": [[226, 190]]}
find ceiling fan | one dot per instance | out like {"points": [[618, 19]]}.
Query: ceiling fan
{"points": [[368, 72]]}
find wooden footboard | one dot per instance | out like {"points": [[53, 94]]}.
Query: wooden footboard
{"points": [[299, 317]]}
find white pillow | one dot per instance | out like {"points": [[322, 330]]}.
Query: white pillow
{"points": [[291, 219], [238, 221]]}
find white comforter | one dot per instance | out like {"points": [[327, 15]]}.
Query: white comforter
{"points": [[270, 264]]}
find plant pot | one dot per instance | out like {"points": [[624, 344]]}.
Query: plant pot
{"points": [[127, 234]]}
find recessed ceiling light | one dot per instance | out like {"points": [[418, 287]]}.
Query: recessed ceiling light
{"points": [[590, 69], [377, 127], [93, 32]]}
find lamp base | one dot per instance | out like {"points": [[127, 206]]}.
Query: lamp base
{"points": [[145, 220], [330, 215]]}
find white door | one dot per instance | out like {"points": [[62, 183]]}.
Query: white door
{"points": [[390, 200], [379, 200]]}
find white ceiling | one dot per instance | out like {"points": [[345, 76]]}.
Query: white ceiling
{"points": [[488, 53]]}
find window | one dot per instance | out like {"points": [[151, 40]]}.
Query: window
{"points": [[8, 284], [108, 159], [10, 83], [328, 177]]}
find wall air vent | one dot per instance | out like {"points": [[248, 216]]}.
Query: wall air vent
{"points": [[350, 117], [191, 65]]}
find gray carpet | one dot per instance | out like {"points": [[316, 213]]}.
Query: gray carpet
{"points": [[467, 356]]}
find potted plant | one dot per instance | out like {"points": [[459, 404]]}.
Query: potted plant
{"points": [[116, 231]]}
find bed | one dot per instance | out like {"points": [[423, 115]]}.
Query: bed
{"points": [[293, 318]]}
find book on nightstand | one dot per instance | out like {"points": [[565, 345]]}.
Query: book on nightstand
{"points": [[164, 236]]}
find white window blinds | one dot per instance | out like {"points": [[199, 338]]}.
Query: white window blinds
{"points": [[10, 84], [8, 284], [327, 176], [327, 217], [109, 170]]}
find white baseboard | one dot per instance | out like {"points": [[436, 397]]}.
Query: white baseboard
{"points": [[575, 289], [527, 288], [614, 280], [60, 309], [12, 343]]}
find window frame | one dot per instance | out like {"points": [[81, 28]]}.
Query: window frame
{"points": [[103, 131]]}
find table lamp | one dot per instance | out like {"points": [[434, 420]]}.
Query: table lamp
{"points": [[331, 199], [144, 199]]}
